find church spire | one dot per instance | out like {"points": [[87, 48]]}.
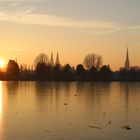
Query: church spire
{"points": [[51, 60], [127, 63], [57, 59]]}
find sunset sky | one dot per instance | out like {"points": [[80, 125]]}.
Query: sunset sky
{"points": [[74, 28]]}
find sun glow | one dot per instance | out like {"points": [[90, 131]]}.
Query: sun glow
{"points": [[2, 63]]}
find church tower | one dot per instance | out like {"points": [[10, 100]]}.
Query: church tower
{"points": [[57, 59], [51, 60], [127, 62]]}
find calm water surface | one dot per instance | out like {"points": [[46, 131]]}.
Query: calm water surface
{"points": [[69, 111]]}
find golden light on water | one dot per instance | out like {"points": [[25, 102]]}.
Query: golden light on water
{"points": [[1, 121], [0, 97]]}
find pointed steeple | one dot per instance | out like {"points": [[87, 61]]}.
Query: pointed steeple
{"points": [[16, 59], [51, 60], [57, 59], [127, 63]]}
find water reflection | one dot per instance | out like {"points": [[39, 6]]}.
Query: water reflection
{"points": [[92, 92], [126, 98], [38, 108], [1, 109], [12, 87], [129, 95], [53, 94], [0, 98]]}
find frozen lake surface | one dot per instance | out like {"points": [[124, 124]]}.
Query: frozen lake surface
{"points": [[69, 111]]}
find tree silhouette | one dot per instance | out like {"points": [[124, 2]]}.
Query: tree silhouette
{"points": [[41, 63], [91, 69], [99, 61], [41, 69], [93, 60], [12, 68], [57, 69], [123, 72], [67, 70], [93, 72], [49, 70], [105, 71], [42, 59], [132, 72], [80, 70]]}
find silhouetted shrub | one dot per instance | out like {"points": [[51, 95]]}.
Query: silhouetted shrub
{"points": [[67, 70], [105, 71], [93, 72], [57, 69], [41, 69], [49, 70], [80, 70], [123, 72]]}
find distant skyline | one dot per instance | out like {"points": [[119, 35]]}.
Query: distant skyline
{"points": [[74, 28]]}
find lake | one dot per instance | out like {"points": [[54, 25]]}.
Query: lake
{"points": [[69, 111]]}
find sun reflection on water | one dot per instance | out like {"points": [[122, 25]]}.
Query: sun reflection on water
{"points": [[1, 122], [0, 98]]}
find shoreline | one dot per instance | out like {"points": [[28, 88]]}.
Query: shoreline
{"points": [[71, 79]]}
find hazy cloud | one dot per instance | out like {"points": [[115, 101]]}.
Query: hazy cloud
{"points": [[28, 17], [22, 0], [11, 49], [136, 27], [94, 26]]}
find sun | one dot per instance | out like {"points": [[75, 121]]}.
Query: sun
{"points": [[2, 63]]}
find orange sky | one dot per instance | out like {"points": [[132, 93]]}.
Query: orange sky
{"points": [[30, 28]]}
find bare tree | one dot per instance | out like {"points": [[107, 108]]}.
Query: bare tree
{"points": [[89, 61], [41, 62], [93, 60], [99, 61], [42, 59]]}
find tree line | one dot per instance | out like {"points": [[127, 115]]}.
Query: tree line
{"points": [[91, 69]]}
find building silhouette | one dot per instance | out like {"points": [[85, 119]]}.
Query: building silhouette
{"points": [[57, 62], [51, 60], [127, 62]]}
